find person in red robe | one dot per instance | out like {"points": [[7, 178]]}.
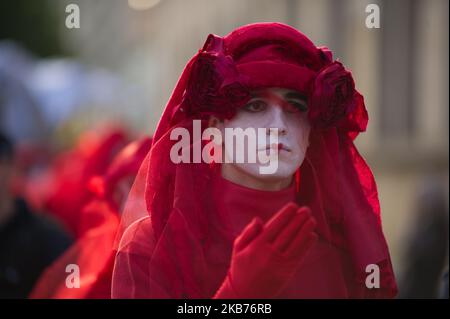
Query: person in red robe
{"points": [[67, 192], [93, 252], [214, 226]]}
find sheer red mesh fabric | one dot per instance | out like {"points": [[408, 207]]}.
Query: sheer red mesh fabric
{"points": [[180, 220]]}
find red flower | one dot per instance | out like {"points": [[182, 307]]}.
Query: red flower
{"points": [[325, 54], [334, 96], [214, 86]]}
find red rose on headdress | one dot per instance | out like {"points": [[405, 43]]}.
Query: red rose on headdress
{"points": [[214, 86], [334, 96], [325, 54]]}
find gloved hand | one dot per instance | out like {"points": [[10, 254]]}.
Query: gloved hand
{"points": [[265, 257]]}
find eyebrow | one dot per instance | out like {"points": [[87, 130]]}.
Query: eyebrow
{"points": [[295, 95]]}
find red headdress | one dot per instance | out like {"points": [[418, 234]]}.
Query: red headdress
{"points": [[178, 241]]}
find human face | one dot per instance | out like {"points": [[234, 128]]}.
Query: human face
{"points": [[283, 113]]}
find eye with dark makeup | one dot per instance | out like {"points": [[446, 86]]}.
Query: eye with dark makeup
{"points": [[255, 105], [296, 106], [294, 103]]}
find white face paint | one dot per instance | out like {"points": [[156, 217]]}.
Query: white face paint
{"points": [[282, 109]]}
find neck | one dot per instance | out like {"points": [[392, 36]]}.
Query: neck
{"points": [[234, 174]]}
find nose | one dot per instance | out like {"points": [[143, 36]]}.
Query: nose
{"points": [[277, 125]]}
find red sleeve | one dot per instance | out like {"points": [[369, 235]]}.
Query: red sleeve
{"points": [[226, 290]]}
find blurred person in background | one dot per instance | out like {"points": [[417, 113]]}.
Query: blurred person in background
{"points": [[71, 171], [28, 242], [427, 249], [99, 220], [443, 292]]}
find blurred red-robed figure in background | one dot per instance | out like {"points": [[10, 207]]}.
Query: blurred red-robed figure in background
{"points": [[99, 219], [72, 170]]}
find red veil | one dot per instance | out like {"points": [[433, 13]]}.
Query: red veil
{"points": [[180, 221], [99, 219]]}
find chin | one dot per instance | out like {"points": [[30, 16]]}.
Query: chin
{"points": [[283, 172]]}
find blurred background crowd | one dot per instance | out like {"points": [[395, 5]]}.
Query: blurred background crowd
{"points": [[71, 100]]}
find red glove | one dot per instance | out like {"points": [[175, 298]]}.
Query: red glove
{"points": [[265, 257]]}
